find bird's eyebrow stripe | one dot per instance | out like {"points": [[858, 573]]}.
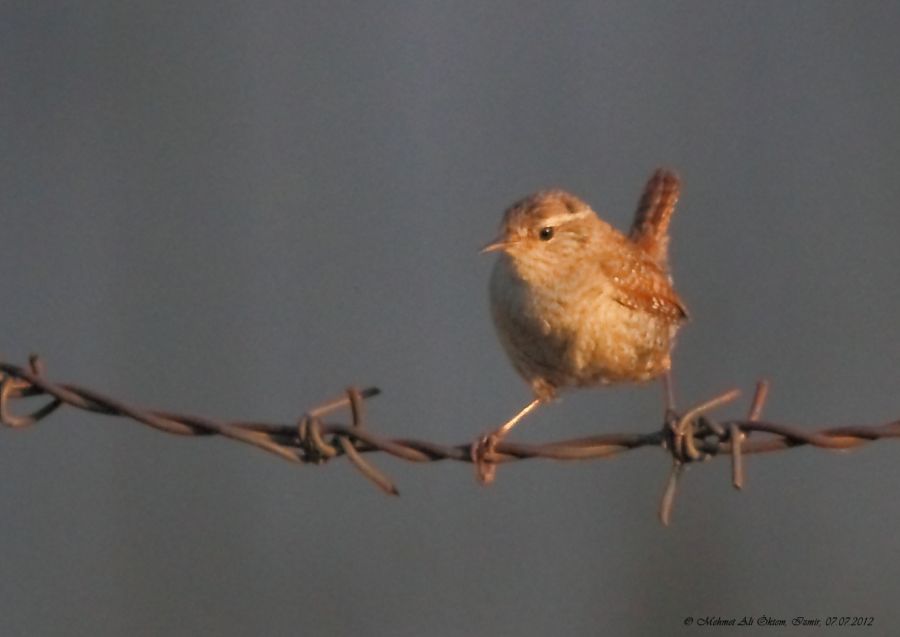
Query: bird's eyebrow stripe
{"points": [[555, 220]]}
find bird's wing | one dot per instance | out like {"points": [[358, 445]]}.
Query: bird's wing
{"points": [[650, 228], [641, 284]]}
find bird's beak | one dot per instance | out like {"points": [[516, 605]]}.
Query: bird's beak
{"points": [[495, 246]]}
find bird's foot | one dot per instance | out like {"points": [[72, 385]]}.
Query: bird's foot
{"points": [[481, 453], [484, 448]]}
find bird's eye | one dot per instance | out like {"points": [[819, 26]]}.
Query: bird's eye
{"points": [[546, 233]]}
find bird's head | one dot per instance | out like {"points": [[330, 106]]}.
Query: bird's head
{"points": [[548, 230]]}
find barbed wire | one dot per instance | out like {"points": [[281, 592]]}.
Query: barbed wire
{"points": [[689, 437]]}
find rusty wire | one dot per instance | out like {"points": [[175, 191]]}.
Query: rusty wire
{"points": [[689, 437]]}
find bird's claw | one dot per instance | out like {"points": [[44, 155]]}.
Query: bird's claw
{"points": [[481, 452]]}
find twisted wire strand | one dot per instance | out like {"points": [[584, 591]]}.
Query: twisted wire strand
{"points": [[689, 437]]}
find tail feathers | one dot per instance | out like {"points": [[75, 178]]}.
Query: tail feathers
{"points": [[650, 228]]}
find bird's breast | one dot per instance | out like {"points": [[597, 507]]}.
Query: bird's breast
{"points": [[535, 324]]}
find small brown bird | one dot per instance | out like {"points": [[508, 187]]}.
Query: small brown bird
{"points": [[578, 304]]}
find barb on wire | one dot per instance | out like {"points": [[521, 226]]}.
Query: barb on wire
{"points": [[689, 437]]}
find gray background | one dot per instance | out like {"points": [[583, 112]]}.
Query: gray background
{"points": [[237, 209]]}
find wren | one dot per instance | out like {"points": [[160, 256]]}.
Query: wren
{"points": [[576, 303]]}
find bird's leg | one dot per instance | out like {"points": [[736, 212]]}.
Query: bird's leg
{"points": [[485, 469], [512, 422], [669, 394]]}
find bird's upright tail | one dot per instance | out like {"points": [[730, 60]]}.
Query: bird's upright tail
{"points": [[650, 228]]}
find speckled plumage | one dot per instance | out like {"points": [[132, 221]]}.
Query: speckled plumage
{"points": [[588, 306]]}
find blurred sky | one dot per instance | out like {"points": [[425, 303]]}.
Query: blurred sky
{"points": [[238, 209]]}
